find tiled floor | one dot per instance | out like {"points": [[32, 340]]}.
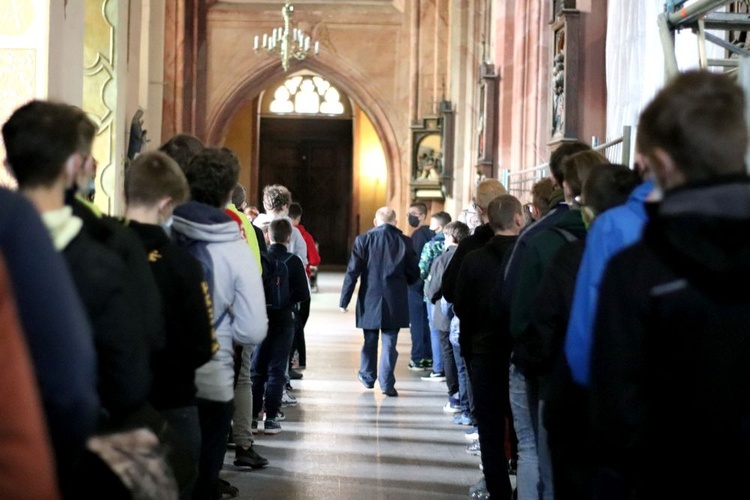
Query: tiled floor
{"points": [[343, 441]]}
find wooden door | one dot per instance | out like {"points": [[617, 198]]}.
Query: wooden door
{"points": [[313, 158]]}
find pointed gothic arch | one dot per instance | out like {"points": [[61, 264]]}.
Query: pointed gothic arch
{"points": [[269, 72]]}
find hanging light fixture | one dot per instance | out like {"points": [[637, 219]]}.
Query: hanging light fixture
{"points": [[285, 42]]}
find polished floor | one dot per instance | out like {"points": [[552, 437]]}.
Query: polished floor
{"points": [[343, 441]]}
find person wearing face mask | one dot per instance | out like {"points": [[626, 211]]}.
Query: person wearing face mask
{"points": [[421, 346], [154, 186]]}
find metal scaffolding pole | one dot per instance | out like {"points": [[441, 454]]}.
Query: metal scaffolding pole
{"points": [[688, 15], [743, 79]]}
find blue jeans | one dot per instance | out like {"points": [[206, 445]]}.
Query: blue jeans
{"points": [[270, 362], [418, 325], [437, 351], [215, 420], [524, 421], [388, 357], [464, 384]]}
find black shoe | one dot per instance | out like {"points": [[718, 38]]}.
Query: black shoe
{"points": [[289, 387], [392, 392], [294, 374], [226, 490], [248, 457], [367, 385]]}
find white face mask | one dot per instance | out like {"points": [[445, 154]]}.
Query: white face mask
{"points": [[167, 225]]}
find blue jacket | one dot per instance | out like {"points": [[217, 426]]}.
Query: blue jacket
{"points": [[56, 329], [384, 260], [610, 232]]}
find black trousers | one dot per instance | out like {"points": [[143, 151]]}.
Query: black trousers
{"points": [[490, 389], [298, 344]]}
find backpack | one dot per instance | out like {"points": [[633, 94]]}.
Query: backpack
{"points": [[199, 250], [276, 282]]}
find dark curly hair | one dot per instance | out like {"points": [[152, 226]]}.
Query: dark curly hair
{"points": [[212, 175], [182, 148]]}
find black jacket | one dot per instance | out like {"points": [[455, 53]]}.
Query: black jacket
{"points": [[123, 357], [482, 235], [671, 353], [476, 278], [190, 340], [141, 291]]}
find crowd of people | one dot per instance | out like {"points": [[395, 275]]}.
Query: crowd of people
{"points": [[141, 346], [585, 340], [591, 336]]}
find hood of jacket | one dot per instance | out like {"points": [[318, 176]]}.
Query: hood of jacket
{"points": [[702, 232], [203, 222]]}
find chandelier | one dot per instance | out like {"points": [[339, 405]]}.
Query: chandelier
{"points": [[285, 42]]}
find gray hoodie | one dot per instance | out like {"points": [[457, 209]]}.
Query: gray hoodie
{"points": [[237, 284]]}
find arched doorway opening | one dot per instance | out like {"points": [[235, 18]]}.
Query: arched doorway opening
{"points": [[327, 152], [305, 142]]}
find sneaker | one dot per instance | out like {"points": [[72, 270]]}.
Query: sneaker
{"points": [[512, 466], [426, 363], [288, 400], [271, 426], [452, 408], [254, 426], [464, 418], [473, 448], [392, 392], [294, 374], [472, 434], [288, 387], [280, 416], [435, 376], [368, 385], [227, 490], [479, 490], [248, 457], [416, 367]]}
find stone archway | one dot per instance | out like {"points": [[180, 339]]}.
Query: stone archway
{"points": [[354, 85]]}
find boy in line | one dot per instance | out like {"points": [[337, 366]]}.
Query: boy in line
{"points": [[271, 358]]}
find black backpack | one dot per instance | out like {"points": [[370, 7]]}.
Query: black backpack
{"points": [[276, 281]]}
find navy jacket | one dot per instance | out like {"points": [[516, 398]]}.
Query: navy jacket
{"points": [[384, 260]]}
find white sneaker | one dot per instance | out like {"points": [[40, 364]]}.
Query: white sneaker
{"points": [[451, 408], [288, 400]]}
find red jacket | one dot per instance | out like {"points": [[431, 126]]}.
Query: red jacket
{"points": [[313, 257]]}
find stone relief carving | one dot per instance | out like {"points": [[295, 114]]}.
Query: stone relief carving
{"points": [[558, 85]]}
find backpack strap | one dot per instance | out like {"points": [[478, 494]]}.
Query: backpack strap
{"points": [[565, 233], [221, 317]]}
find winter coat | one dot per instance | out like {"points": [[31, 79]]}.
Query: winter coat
{"points": [[56, 330], [190, 340], [671, 353], [384, 261], [237, 288], [610, 232], [476, 279]]}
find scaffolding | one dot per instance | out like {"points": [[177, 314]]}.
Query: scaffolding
{"points": [[699, 17], [705, 15]]}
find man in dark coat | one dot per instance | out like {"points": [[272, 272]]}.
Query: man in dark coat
{"points": [[384, 259]]}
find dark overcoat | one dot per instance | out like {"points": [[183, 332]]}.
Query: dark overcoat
{"points": [[384, 261]]}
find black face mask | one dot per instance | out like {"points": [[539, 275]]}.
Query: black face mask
{"points": [[413, 220]]}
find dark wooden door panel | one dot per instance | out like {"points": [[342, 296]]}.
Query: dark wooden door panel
{"points": [[313, 158]]}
